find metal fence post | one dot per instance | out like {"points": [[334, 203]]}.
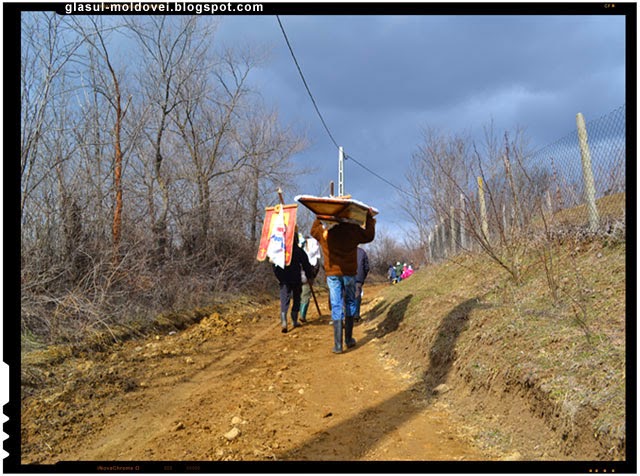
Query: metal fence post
{"points": [[587, 174]]}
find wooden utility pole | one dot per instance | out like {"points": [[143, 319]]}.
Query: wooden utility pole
{"points": [[547, 197], [453, 230], [483, 211], [587, 174], [462, 221], [443, 238]]}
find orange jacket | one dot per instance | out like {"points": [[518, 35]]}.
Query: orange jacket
{"points": [[340, 245]]}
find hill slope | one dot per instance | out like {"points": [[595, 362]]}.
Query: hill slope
{"points": [[452, 364], [510, 353]]}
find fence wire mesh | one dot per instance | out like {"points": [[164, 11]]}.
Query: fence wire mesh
{"points": [[606, 148], [574, 185]]}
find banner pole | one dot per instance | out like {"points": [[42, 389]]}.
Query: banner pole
{"points": [[314, 299]]}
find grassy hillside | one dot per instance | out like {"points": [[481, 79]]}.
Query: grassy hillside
{"points": [[527, 370], [517, 357]]}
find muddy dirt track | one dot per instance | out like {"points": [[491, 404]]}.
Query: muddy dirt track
{"points": [[234, 388], [443, 373]]}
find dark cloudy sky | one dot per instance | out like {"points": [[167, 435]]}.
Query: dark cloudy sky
{"points": [[379, 79]]}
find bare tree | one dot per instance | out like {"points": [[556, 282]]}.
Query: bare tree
{"points": [[110, 86], [105, 159], [269, 149], [46, 50], [206, 120], [440, 172], [498, 215], [174, 51], [384, 251], [418, 208], [49, 207]]}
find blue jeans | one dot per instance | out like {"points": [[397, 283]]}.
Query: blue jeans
{"points": [[342, 289], [358, 299]]}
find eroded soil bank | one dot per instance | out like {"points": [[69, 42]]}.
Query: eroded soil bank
{"points": [[231, 387]]}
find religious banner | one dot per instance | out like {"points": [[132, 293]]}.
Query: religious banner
{"points": [[274, 235], [276, 249]]}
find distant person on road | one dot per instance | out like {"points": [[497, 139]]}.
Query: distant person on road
{"points": [[339, 244], [398, 272], [312, 248], [290, 279], [407, 271], [391, 274], [361, 276]]}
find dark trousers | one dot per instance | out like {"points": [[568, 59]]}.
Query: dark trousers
{"points": [[288, 291]]}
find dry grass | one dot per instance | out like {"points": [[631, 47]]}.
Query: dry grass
{"points": [[610, 208], [566, 353]]}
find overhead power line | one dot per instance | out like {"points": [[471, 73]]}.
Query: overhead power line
{"points": [[379, 176], [286, 39], [305, 82]]}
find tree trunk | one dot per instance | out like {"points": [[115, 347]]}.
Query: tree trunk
{"points": [[255, 196], [117, 213], [205, 216], [160, 226]]}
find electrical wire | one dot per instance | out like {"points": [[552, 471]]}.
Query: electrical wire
{"points": [[305, 83], [286, 39], [349, 157]]}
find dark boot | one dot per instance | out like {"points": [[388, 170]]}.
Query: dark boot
{"points": [[283, 321], [337, 337], [303, 312], [294, 318], [348, 332]]}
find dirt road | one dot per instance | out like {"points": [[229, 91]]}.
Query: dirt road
{"points": [[234, 388]]}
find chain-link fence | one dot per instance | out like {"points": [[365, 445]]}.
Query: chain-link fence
{"points": [[573, 185], [588, 172]]}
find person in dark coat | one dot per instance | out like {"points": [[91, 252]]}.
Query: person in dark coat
{"points": [[290, 279], [391, 274], [361, 276]]}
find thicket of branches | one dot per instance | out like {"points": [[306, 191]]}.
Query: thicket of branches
{"points": [[500, 199], [145, 160]]}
